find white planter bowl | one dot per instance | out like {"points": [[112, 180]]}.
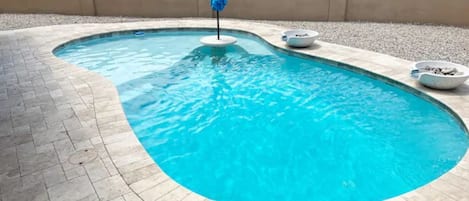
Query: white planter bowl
{"points": [[299, 37], [438, 81]]}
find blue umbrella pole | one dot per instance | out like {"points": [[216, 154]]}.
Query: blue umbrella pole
{"points": [[218, 26]]}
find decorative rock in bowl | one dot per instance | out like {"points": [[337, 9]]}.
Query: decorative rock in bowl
{"points": [[440, 74], [299, 37]]}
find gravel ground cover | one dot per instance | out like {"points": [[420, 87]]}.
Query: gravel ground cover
{"points": [[408, 41]]}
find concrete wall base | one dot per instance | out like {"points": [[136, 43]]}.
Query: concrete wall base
{"points": [[453, 12]]}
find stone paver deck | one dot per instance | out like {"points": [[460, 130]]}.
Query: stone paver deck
{"points": [[64, 135]]}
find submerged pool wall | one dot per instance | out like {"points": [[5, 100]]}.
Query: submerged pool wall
{"points": [[454, 12]]}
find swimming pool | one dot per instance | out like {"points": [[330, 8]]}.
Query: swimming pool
{"points": [[252, 123]]}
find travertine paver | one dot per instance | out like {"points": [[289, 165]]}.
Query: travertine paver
{"points": [[51, 110], [53, 175], [35, 192], [75, 189], [111, 187]]}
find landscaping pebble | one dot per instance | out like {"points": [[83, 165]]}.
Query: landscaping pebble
{"points": [[408, 41]]}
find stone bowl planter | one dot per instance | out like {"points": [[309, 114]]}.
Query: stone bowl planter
{"points": [[299, 37], [440, 74]]}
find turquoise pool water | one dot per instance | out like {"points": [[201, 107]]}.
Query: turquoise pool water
{"points": [[252, 123]]}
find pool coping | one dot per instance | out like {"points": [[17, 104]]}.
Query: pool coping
{"points": [[128, 155]]}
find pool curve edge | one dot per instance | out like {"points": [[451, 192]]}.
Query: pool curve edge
{"points": [[386, 68]]}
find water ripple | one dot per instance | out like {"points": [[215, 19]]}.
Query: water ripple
{"points": [[236, 125]]}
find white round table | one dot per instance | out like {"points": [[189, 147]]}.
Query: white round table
{"points": [[213, 41]]}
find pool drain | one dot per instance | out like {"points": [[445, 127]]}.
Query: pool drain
{"points": [[82, 157]]}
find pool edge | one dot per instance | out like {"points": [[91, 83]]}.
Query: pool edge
{"points": [[272, 37]]}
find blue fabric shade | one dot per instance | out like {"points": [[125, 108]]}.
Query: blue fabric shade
{"points": [[218, 5]]}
